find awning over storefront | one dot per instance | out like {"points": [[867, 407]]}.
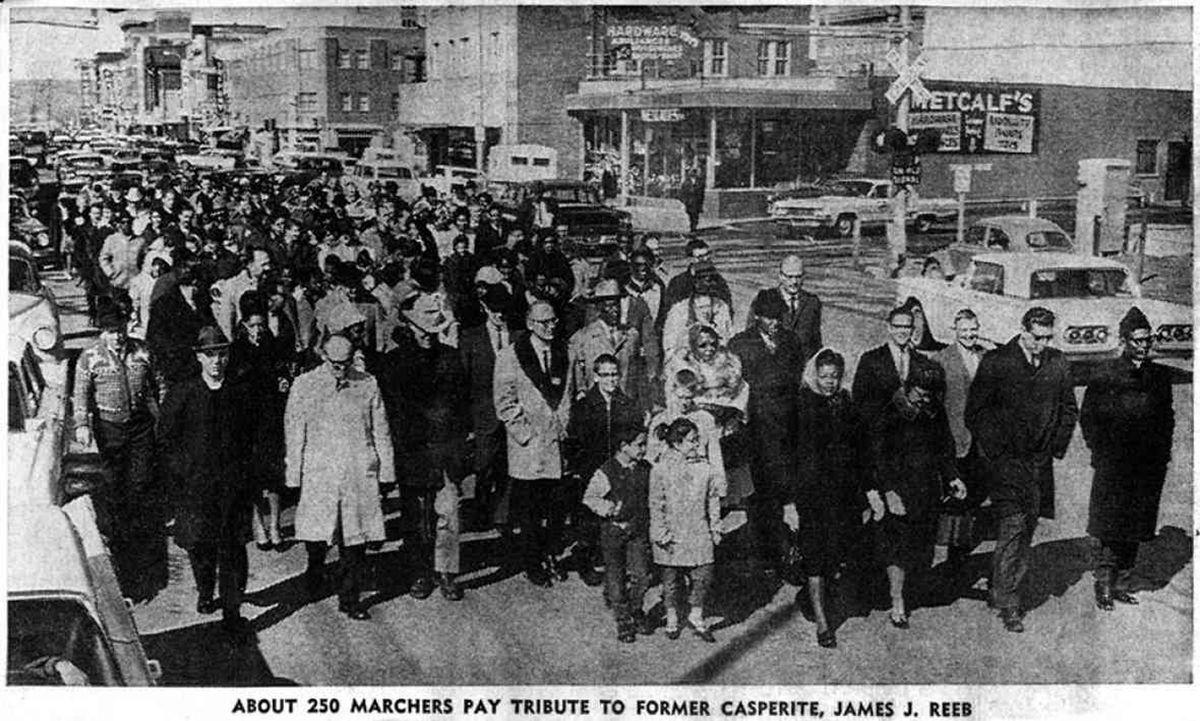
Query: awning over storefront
{"points": [[724, 98]]}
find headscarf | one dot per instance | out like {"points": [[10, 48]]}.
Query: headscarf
{"points": [[809, 377]]}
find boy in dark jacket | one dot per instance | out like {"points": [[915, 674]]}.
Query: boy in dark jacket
{"points": [[618, 493]]}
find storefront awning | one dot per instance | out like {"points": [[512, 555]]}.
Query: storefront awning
{"points": [[723, 98]]}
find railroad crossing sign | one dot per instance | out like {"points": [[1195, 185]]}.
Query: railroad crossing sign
{"points": [[908, 77]]}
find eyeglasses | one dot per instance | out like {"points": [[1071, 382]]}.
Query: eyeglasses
{"points": [[611, 374], [1043, 337], [706, 344], [1148, 340], [547, 321], [793, 276], [904, 327]]}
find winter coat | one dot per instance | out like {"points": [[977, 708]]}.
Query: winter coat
{"points": [[1021, 417], [534, 407], [829, 462], [339, 451], [911, 453], [774, 378], [1128, 423], [205, 435], [685, 510], [259, 370], [596, 339]]}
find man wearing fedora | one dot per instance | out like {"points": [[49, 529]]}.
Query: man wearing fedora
{"points": [[339, 452], [115, 397], [205, 430], [603, 336], [425, 395]]}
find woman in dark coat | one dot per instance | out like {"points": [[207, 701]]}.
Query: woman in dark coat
{"points": [[261, 364], [828, 494], [912, 467], [1127, 422]]}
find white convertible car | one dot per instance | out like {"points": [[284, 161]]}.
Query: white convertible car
{"points": [[1088, 295]]}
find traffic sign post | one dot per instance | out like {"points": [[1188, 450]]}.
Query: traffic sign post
{"points": [[907, 83]]}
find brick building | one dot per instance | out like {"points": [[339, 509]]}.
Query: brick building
{"points": [[481, 90], [325, 86]]}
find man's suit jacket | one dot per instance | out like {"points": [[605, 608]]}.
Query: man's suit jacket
{"points": [[593, 428], [958, 384], [535, 409], [876, 379], [479, 363], [805, 322]]}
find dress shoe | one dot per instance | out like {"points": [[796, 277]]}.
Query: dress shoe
{"points": [[421, 588], [538, 577], [1104, 596], [826, 639], [626, 629], [354, 611], [451, 591], [1124, 597], [672, 632], [704, 634], [207, 606], [1012, 621], [899, 621]]}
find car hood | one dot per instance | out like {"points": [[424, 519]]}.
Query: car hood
{"points": [[32, 226], [21, 303]]}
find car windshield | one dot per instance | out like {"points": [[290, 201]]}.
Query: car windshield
{"points": [[575, 194], [854, 188], [1048, 239], [1079, 283], [61, 628], [393, 171]]}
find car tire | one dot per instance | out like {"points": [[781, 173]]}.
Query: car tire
{"points": [[844, 226]]}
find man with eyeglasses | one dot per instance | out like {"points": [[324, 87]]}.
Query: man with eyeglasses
{"points": [[530, 393], [1021, 411], [1128, 422], [802, 310], [883, 369]]}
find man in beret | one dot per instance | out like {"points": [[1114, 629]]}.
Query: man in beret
{"points": [[1128, 423], [205, 427], [339, 452], [115, 399]]}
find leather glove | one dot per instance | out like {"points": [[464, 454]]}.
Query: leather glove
{"points": [[895, 505], [877, 508]]}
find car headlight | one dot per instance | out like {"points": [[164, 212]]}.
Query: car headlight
{"points": [[1174, 333], [1086, 335], [45, 338], [43, 239]]}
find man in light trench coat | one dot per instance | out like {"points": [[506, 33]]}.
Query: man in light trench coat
{"points": [[339, 452]]}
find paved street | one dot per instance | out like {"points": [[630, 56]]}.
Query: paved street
{"points": [[508, 632]]}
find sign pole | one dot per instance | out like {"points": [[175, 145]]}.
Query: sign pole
{"points": [[962, 216], [897, 236]]}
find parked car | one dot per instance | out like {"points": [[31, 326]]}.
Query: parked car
{"points": [[33, 314], [591, 225], [68, 622], [24, 226], [1005, 233], [1088, 295], [867, 200], [83, 164], [300, 168], [210, 159], [22, 176], [369, 172]]}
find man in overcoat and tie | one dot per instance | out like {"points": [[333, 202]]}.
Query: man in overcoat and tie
{"points": [[802, 314]]}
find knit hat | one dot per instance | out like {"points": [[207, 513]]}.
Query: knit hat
{"points": [[1135, 319]]}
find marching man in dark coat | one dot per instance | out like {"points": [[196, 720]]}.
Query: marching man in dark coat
{"points": [[203, 427], [1127, 421], [1021, 410]]}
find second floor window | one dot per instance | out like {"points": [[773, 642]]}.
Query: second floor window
{"points": [[1147, 157], [307, 58], [306, 102], [362, 59], [364, 103], [774, 57], [395, 105], [344, 59], [347, 103], [715, 58], [397, 59]]}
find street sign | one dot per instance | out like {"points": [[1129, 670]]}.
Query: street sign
{"points": [[962, 178], [906, 169]]}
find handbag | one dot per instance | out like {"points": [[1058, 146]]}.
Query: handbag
{"points": [[956, 525]]}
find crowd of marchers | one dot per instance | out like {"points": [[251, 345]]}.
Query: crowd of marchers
{"points": [[262, 346]]}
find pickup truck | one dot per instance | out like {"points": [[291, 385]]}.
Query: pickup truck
{"points": [[1088, 295], [867, 200]]}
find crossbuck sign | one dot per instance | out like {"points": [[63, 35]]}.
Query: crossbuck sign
{"points": [[908, 77]]}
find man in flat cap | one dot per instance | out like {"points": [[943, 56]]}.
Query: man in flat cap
{"points": [[1128, 423], [425, 397], [115, 398], [206, 432], [339, 452]]}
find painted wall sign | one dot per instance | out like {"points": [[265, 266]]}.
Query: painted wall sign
{"points": [[979, 119]]}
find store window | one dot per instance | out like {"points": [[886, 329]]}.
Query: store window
{"points": [[715, 58], [344, 59], [397, 60], [364, 103], [774, 57], [347, 103], [1147, 157], [395, 105]]}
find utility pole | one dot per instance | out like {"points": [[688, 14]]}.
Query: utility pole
{"points": [[897, 235]]}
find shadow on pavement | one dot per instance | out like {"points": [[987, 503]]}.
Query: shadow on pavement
{"points": [[206, 655]]}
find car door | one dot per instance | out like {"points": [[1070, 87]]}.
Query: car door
{"points": [[876, 205]]}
